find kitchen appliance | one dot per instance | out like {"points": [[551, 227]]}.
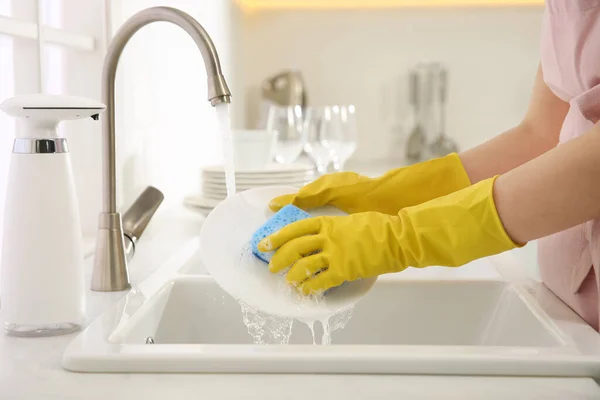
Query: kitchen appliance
{"points": [[284, 89], [43, 288]]}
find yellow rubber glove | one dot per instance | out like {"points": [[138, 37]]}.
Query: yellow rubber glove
{"points": [[389, 193], [452, 230]]}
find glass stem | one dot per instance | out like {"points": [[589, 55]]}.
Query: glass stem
{"points": [[338, 164], [321, 168]]}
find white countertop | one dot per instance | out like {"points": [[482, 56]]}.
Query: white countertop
{"points": [[31, 368]]}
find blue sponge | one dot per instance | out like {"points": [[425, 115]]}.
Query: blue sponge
{"points": [[283, 217]]}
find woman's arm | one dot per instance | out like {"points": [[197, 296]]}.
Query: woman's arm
{"points": [[537, 133], [553, 192]]}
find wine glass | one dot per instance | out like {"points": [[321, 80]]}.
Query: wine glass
{"points": [[341, 134], [288, 123], [316, 129]]}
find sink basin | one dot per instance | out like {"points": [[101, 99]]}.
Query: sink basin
{"points": [[179, 320], [194, 310]]}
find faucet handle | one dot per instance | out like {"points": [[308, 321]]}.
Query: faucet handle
{"points": [[137, 217]]}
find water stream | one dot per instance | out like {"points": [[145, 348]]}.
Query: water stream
{"points": [[225, 127], [329, 325], [265, 328]]}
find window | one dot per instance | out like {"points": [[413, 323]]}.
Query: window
{"points": [[166, 128], [54, 46]]}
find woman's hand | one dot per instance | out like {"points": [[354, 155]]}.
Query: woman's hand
{"points": [[388, 194], [452, 230], [326, 251]]}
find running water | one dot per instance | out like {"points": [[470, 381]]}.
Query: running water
{"points": [[335, 322], [329, 325], [311, 326], [265, 328], [270, 329], [225, 126]]}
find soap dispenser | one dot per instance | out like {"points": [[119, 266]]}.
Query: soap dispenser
{"points": [[42, 284]]}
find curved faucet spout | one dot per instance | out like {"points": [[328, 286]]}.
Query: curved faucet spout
{"points": [[218, 92], [110, 264]]}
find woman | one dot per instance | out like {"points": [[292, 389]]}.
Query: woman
{"points": [[540, 179]]}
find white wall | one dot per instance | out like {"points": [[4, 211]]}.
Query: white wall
{"points": [[362, 57], [84, 136]]}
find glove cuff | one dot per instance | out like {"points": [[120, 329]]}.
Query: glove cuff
{"points": [[424, 181], [455, 229]]}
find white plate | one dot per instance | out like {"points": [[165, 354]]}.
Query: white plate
{"points": [[224, 245], [222, 190], [271, 169], [214, 196], [244, 185], [273, 181], [279, 178], [201, 201]]}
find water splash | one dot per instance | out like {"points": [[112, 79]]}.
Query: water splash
{"points": [[334, 323], [329, 324], [225, 126], [311, 325], [265, 328]]}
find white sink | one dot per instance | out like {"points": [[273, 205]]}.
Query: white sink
{"points": [[404, 325]]}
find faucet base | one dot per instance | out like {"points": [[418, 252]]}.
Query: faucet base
{"points": [[110, 263]]}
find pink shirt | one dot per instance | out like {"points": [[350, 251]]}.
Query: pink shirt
{"points": [[569, 261]]}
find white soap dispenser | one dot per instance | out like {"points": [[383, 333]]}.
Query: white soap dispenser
{"points": [[42, 278]]}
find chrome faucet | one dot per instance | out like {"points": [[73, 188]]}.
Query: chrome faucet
{"points": [[116, 239]]}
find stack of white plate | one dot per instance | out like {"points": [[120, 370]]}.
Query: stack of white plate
{"points": [[214, 188]]}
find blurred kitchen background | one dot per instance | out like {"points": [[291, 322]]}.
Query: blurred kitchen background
{"points": [[337, 52]]}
